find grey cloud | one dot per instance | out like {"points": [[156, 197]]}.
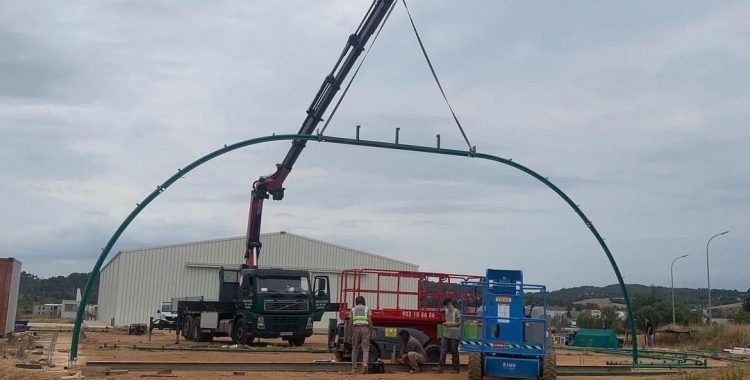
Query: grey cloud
{"points": [[714, 74], [605, 106], [41, 150], [448, 207], [355, 223], [713, 164], [659, 253], [696, 150], [28, 69]]}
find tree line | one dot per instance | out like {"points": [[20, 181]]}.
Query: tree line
{"points": [[658, 309], [33, 290], [692, 298]]}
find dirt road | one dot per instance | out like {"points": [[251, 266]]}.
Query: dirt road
{"points": [[92, 350]]}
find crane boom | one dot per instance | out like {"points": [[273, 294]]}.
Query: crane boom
{"points": [[273, 184]]}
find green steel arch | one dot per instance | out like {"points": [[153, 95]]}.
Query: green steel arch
{"points": [[345, 141]]}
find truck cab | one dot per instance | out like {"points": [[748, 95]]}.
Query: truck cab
{"points": [[255, 303], [277, 303], [258, 303], [165, 318]]}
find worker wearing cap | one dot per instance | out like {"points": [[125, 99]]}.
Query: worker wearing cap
{"points": [[359, 330]]}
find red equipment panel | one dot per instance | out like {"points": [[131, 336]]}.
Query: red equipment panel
{"points": [[404, 298]]}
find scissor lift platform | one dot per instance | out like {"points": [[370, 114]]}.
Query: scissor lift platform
{"points": [[507, 342]]}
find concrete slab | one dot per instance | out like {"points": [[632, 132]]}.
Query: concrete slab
{"points": [[94, 323], [50, 326]]}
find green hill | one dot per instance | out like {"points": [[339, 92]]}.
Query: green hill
{"points": [[33, 290], [692, 298], [686, 296]]}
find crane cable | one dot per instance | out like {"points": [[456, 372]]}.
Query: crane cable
{"points": [[434, 75], [429, 63], [343, 94]]}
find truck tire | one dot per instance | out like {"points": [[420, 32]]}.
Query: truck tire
{"points": [[187, 330], [433, 353], [195, 333], [239, 333], [475, 366], [549, 365], [297, 342]]}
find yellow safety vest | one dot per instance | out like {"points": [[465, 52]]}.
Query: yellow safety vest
{"points": [[359, 315], [451, 316]]}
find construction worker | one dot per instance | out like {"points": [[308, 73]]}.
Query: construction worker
{"points": [[449, 340], [649, 333], [411, 352], [359, 330]]}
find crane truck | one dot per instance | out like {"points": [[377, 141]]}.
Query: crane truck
{"points": [[273, 302]]}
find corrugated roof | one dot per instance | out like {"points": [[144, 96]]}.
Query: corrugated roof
{"points": [[266, 234]]}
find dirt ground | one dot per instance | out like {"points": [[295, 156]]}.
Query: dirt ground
{"points": [[91, 349]]}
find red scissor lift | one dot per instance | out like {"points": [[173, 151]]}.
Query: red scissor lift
{"points": [[400, 300]]}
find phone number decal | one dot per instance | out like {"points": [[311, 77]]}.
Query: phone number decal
{"points": [[419, 314]]}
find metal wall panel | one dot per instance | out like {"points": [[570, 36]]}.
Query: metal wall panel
{"points": [[108, 281], [10, 277], [134, 283], [15, 283]]}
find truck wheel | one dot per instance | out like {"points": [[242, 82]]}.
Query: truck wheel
{"points": [[549, 365], [188, 327], [239, 333], [195, 333], [297, 342], [433, 353], [475, 366]]}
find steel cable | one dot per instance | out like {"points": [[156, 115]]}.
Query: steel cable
{"points": [[434, 75]]}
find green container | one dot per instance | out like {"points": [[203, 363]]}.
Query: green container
{"points": [[469, 329], [596, 338]]}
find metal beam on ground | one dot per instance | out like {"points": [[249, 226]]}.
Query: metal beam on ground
{"points": [[302, 367]]}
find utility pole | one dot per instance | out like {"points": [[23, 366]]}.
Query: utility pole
{"points": [[671, 275], [708, 277]]}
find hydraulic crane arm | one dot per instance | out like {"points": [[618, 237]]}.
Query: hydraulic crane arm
{"points": [[273, 184]]}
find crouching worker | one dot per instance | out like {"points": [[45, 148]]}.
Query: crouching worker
{"points": [[412, 352]]}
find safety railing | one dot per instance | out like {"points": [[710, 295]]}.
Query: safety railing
{"points": [[482, 332], [408, 294]]}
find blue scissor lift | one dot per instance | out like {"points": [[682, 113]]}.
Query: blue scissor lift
{"points": [[508, 342]]}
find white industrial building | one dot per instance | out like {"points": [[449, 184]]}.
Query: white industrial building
{"points": [[134, 283]]}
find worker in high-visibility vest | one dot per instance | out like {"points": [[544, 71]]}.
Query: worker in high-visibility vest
{"points": [[359, 330], [449, 341]]}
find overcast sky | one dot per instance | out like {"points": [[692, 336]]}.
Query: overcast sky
{"points": [[637, 110]]}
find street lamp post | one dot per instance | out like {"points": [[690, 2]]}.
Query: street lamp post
{"points": [[671, 275], [708, 276]]}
